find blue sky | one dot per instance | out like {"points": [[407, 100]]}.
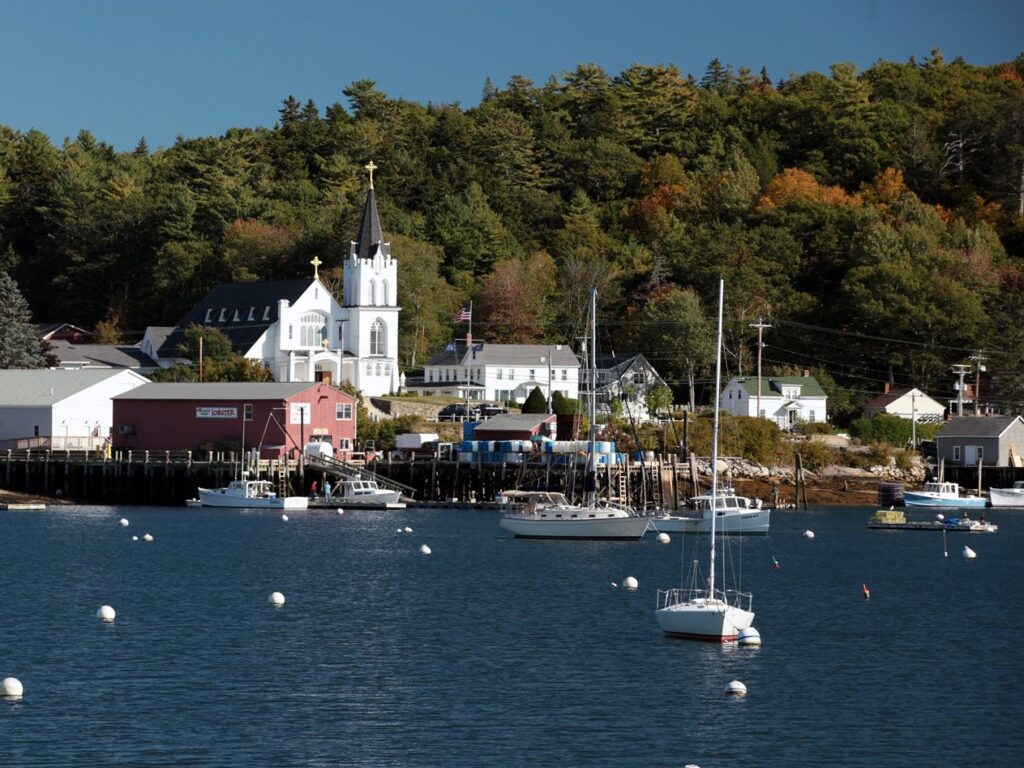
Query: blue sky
{"points": [[156, 68]]}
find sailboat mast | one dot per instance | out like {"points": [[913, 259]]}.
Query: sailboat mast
{"points": [[592, 395], [714, 443]]}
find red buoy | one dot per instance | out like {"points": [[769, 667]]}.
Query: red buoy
{"points": [[867, 592]]}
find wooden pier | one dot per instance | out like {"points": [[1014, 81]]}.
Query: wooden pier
{"points": [[170, 477]]}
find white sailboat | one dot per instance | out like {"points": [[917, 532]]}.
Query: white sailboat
{"points": [[735, 516], [701, 612], [557, 518]]}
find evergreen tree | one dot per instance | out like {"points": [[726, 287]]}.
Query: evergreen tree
{"points": [[19, 342], [536, 402]]}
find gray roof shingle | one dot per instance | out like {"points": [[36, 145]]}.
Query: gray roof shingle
{"points": [[101, 355], [246, 390], [506, 354], [46, 386], [977, 426]]}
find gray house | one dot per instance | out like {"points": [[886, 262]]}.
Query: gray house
{"points": [[626, 377], [966, 440]]}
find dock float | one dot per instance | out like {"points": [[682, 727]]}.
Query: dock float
{"points": [[895, 520]]}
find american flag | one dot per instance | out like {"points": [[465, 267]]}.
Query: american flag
{"points": [[463, 315]]}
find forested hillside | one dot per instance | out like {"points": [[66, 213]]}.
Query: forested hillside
{"points": [[875, 219]]}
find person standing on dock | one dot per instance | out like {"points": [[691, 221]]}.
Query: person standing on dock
{"points": [[327, 491], [312, 490]]}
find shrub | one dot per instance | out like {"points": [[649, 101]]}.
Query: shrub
{"points": [[893, 430], [814, 428], [816, 455]]}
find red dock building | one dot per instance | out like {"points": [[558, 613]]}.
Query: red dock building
{"points": [[275, 418]]}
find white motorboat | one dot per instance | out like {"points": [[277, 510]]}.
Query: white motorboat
{"points": [[699, 611], [1007, 497], [941, 495], [736, 515], [553, 516], [366, 493], [250, 494]]}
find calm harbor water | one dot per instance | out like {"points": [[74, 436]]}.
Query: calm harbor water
{"points": [[494, 651]]}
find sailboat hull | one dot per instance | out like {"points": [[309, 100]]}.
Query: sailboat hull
{"points": [[713, 621], [527, 526], [754, 522]]}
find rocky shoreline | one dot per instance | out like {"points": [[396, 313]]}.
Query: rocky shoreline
{"points": [[831, 485]]}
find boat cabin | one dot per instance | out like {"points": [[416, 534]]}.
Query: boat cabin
{"points": [[942, 489], [250, 489], [361, 488]]}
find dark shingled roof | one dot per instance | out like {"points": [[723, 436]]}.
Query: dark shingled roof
{"points": [[370, 232], [977, 426], [101, 356], [239, 302]]}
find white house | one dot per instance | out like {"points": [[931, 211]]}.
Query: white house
{"points": [[301, 332], [908, 403], [59, 408], [786, 400], [500, 372]]}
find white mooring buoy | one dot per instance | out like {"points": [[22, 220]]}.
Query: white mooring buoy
{"points": [[749, 636], [123, 522], [147, 537], [940, 517], [736, 688], [969, 553], [135, 538], [407, 529], [424, 550], [285, 518], [106, 613], [630, 583], [808, 534], [341, 511], [276, 598], [664, 538], [12, 688]]}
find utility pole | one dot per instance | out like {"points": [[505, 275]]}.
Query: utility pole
{"points": [[760, 325], [913, 420], [978, 358], [961, 371]]}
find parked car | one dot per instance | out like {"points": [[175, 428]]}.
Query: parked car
{"points": [[458, 412], [486, 411]]}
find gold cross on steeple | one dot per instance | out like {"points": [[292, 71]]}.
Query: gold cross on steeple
{"points": [[371, 168], [316, 267]]}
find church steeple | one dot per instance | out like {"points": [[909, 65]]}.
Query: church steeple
{"points": [[370, 233]]}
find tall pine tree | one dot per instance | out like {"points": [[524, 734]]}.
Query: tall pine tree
{"points": [[19, 342]]}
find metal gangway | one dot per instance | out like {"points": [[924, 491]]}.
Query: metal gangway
{"points": [[348, 471]]}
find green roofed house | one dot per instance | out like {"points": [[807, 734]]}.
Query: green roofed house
{"points": [[786, 400]]}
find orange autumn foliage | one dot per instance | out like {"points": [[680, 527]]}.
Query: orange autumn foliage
{"points": [[885, 189], [794, 185], [660, 199], [1009, 73]]}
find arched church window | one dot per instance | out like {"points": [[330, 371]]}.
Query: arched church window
{"points": [[373, 292], [384, 292], [313, 329], [377, 338]]}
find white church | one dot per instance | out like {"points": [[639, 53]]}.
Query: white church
{"points": [[300, 331]]}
